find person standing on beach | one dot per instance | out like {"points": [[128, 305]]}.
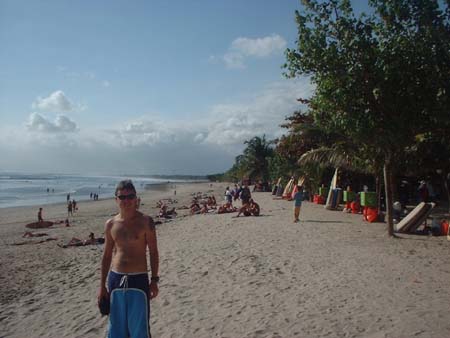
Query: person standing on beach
{"points": [[74, 205], [69, 209], [124, 264], [245, 195], [298, 198], [228, 196], [40, 219]]}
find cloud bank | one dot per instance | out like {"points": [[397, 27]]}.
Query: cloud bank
{"points": [[39, 123], [154, 143]]}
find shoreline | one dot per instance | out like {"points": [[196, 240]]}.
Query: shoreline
{"points": [[32, 192]]}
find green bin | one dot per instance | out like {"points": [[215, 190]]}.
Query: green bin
{"points": [[323, 192], [349, 196], [368, 199]]}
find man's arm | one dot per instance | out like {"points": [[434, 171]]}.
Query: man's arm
{"points": [[152, 245], [106, 258]]}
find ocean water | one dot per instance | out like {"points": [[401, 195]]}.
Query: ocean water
{"points": [[17, 189]]}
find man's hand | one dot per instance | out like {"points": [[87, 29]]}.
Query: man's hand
{"points": [[153, 290], [102, 293]]}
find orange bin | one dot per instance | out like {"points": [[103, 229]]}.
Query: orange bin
{"points": [[355, 207], [371, 214], [444, 228]]}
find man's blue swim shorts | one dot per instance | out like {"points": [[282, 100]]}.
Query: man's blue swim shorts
{"points": [[130, 305]]}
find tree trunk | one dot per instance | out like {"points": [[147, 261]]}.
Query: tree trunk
{"points": [[388, 199], [448, 192], [378, 191]]}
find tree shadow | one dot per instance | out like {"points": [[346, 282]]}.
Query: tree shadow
{"points": [[317, 221]]}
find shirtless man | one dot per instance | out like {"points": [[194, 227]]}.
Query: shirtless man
{"points": [[127, 237]]}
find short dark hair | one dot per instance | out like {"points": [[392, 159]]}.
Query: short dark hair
{"points": [[125, 185]]}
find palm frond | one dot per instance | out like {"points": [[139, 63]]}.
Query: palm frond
{"points": [[333, 157]]}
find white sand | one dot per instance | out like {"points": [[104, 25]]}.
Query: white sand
{"points": [[331, 275]]}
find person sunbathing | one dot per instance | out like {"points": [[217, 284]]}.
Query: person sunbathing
{"points": [[36, 242], [226, 208], [204, 209], [195, 208], [78, 242], [245, 209], [212, 202], [31, 234], [165, 213], [254, 208]]}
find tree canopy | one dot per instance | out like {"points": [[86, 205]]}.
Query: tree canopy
{"points": [[381, 79]]}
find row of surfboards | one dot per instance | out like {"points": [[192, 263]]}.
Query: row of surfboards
{"points": [[409, 224], [290, 189]]}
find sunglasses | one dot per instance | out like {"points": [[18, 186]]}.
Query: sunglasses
{"points": [[126, 197]]}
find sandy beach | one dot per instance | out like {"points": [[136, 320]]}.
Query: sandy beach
{"points": [[331, 275]]}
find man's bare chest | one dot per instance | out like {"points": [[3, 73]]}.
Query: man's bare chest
{"points": [[127, 233]]}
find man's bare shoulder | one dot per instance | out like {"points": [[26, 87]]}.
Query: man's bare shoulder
{"points": [[110, 222]]}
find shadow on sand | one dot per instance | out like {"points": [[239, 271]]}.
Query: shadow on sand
{"points": [[316, 221]]}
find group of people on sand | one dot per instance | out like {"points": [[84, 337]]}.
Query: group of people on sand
{"points": [[226, 208], [71, 207], [126, 284], [249, 206], [164, 210], [202, 204], [41, 218], [239, 192], [93, 196], [249, 209]]}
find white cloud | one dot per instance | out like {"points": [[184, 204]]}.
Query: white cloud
{"points": [[224, 125], [155, 143], [62, 124], [56, 102], [232, 124], [242, 48], [259, 47], [142, 132], [106, 83]]}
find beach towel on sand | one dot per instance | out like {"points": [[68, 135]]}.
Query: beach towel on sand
{"points": [[130, 307]]}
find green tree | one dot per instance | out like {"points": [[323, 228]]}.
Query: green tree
{"points": [[380, 79], [256, 158]]}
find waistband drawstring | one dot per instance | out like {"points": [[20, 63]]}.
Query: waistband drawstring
{"points": [[124, 282]]}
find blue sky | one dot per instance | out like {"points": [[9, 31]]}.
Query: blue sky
{"points": [[141, 86]]}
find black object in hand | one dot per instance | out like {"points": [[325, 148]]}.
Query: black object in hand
{"points": [[103, 305]]}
